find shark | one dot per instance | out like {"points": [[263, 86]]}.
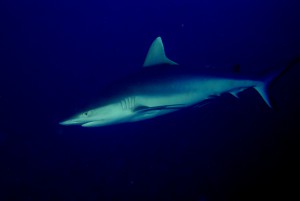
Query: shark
{"points": [[162, 87]]}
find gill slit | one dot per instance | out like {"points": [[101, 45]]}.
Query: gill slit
{"points": [[128, 103]]}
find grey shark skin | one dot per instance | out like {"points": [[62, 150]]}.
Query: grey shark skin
{"points": [[162, 87]]}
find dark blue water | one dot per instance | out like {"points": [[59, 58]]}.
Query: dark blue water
{"points": [[56, 56]]}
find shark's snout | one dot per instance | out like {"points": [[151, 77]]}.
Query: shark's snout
{"points": [[65, 123], [70, 122]]}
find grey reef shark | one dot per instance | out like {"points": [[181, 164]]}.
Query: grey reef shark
{"points": [[162, 87]]}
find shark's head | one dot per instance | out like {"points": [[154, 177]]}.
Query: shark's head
{"points": [[101, 116]]}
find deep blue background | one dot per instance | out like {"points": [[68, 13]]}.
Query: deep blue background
{"points": [[56, 55]]}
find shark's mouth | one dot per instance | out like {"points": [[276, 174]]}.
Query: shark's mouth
{"points": [[93, 124], [73, 122]]}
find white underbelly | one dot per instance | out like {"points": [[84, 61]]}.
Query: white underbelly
{"points": [[184, 100]]}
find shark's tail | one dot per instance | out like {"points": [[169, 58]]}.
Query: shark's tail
{"points": [[266, 82]]}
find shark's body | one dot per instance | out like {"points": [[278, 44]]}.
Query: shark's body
{"points": [[162, 87]]}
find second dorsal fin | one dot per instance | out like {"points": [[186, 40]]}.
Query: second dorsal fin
{"points": [[156, 54]]}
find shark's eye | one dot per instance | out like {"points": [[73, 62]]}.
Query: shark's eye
{"points": [[85, 114]]}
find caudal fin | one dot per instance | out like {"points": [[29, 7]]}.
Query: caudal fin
{"points": [[264, 86]]}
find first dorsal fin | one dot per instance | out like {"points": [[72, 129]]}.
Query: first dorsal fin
{"points": [[156, 54]]}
